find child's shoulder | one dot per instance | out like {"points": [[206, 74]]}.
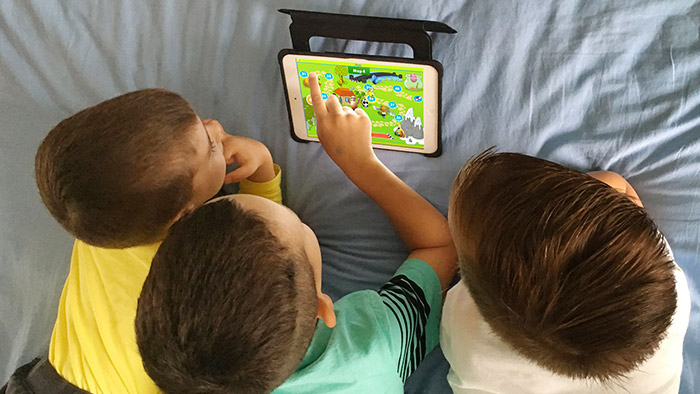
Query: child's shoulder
{"points": [[400, 322]]}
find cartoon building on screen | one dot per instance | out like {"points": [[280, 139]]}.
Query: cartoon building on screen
{"points": [[346, 96]]}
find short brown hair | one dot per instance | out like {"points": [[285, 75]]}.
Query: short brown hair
{"points": [[116, 174], [226, 308], [565, 269]]}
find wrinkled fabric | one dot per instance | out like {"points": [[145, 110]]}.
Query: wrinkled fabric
{"points": [[610, 84]]}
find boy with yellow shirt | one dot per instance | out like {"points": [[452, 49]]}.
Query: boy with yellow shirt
{"points": [[116, 176]]}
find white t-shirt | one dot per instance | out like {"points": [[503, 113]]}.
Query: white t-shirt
{"points": [[480, 362]]}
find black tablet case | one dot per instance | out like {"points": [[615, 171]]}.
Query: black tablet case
{"points": [[413, 32]]}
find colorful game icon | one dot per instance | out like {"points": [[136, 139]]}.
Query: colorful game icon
{"points": [[328, 76], [304, 74], [392, 104], [398, 117], [397, 88], [308, 100], [413, 82], [324, 96], [371, 99], [368, 87], [418, 99]]}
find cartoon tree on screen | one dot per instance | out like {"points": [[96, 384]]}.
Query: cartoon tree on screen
{"points": [[339, 71]]}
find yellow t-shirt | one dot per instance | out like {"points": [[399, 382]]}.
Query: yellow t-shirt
{"points": [[93, 345]]}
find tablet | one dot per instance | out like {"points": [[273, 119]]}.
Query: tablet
{"points": [[400, 98]]}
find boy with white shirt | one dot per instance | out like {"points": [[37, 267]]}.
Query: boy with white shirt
{"points": [[567, 285]]}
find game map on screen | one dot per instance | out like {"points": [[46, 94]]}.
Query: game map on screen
{"points": [[392, 97]]}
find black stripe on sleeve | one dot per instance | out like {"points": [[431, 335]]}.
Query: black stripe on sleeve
{"points": [[406, 301]]}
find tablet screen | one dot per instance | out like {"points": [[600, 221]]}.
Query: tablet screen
{"points": [[392, 97]]}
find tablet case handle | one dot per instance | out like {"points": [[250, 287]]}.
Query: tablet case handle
{"points": [[413, 32]]}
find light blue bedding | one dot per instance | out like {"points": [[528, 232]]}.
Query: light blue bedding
{"points": [[607, 84]]}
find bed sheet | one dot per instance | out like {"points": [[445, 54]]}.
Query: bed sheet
{"points": [[611, 85]]}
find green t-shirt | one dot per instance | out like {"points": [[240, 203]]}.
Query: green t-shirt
{"points": [[379, 339]]}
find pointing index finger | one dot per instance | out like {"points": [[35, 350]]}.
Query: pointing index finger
{"points": [[316, 99]]}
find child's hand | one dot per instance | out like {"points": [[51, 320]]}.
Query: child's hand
{"points": [[344, 133], [252, 157], [346, 136]]}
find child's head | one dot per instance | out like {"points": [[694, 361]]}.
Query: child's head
{"points": [[565, 269], [119, 173], [232, 298]]}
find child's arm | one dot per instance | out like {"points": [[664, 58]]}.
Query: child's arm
{"points": [[345, 135]]}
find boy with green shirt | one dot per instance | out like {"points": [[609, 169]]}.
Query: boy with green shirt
{"points": [[233, 301]]}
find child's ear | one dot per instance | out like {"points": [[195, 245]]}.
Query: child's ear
{"points": [[187, 208], [325, 310]]}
